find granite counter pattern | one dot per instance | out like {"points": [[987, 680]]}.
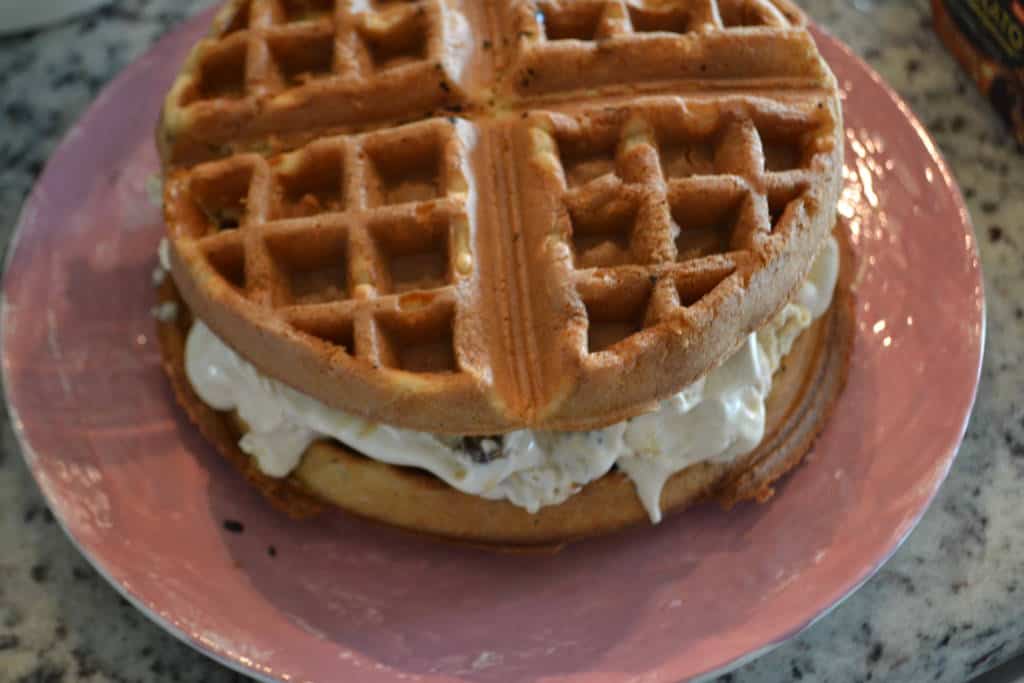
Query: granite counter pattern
{"points": [[950, 603]]}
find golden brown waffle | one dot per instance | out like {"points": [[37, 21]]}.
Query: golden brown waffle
{"points": [[278, 69], [618, 193]]}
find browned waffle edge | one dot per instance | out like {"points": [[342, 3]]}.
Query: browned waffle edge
{"points": [[606, 505]]}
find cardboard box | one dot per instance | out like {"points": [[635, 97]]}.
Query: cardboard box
{"points": [[987, 38]]}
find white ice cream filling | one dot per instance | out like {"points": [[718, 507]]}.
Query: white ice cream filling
{"points": [[718, 418]]}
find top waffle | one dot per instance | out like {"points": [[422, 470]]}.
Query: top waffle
{"points": [[470, 217]]}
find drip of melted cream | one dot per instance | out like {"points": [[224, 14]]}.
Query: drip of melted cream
{"points": [[717, 419]]}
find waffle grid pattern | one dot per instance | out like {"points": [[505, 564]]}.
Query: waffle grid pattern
{"points": [[274, 70], [359, 241], [279, 66], [659, 204], [562, 46], [269, 46], [558, 255], [595, 20]]}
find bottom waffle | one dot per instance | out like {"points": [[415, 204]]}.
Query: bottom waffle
{"points": [[803, 393]]}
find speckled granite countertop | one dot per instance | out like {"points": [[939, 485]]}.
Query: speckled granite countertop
{"points": [[950, 604]]}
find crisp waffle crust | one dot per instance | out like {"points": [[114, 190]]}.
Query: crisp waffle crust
{"points": [[470, 217], [804, 392]]}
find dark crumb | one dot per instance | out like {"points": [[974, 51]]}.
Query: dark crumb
{"points": [[515, 237], [653, 279], [530, 74], [995, 233], [913, 66], [455, 108], [444, 86], [233, 526], [452, 120], [989, 207], [39, 572], [958, 123], [272, 551], [481, 449], [703, 68], [487, 45], [524, 115]]}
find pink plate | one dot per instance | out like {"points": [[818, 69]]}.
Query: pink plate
{"points": [[145, 498]]}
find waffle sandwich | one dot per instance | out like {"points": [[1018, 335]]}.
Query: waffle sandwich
{"points": [[507, 272]]}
